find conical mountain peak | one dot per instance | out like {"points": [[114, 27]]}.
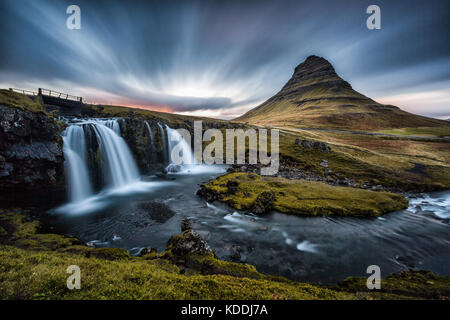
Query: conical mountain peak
{"points": [[317, 97]]}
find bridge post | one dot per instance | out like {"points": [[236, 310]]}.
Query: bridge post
{"points": [[40, 91]]}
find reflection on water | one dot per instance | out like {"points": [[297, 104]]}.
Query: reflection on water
{"points": [[315, 249]]}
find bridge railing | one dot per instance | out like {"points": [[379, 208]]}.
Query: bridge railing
{"points": [[26, 92], [56, 94]]}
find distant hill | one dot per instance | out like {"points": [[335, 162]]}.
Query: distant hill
{"points": [[316, 97]]}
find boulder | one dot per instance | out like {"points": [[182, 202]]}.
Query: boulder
{"points": [[311, 144], [157, 211], [186, 225], [189, 242], [263, 202]]}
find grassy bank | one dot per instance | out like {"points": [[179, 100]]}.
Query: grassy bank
{"points": [[17, 100], [33, 266]]}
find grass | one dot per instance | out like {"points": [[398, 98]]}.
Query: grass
{"points": [[301, 197], [390, 162], [20, 101], [174, 120], [411, 284], [33, 266], [419, 131], [42, 275]]}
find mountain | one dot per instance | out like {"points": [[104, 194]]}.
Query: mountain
{"points": [[316, 97]]}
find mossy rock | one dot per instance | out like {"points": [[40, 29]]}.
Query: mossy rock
{"points": [[299, 197]]}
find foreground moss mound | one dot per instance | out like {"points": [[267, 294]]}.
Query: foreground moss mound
{"points": [[28, 274], [33, 266], [249, 191]]}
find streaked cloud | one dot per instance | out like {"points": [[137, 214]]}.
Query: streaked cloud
{"points": [[222, 58]]}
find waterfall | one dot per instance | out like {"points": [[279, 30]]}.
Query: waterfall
{"points": [[74, 148], [151, 142], [184, 149], [113, 125], [166, 151], [120, 168]]}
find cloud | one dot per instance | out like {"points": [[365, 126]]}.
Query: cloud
{"points": [[219, 58]]}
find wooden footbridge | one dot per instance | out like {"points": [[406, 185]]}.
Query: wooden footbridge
{"points": [[53, 100]]}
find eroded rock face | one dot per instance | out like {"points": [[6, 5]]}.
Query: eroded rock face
{"points": [[31, 157], [147, 143], [317, 145]]}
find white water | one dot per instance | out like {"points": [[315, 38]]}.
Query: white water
{"points": [[151, 142], [179, 148], [74, 149], [121, 176], [164, 140], [307, 246], [438, 205], [113, 125], [150, 133], [120, 167]]}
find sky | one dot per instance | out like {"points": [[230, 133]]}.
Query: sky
{"points": [[222, 58]]}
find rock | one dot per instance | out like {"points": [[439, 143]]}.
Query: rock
{"points": [[235, 255], [31, 157], [324, 163], [157, 211], [232, 187], [173, 168], [147, 250], [311, 144], [204, 234], [189, 242], [186, 225], [263, 202], [209, 195]]}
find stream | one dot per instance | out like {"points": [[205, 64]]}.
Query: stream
{"points": [[135, 212]]}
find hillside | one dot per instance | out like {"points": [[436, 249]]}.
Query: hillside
{"points": [[316, 97]]}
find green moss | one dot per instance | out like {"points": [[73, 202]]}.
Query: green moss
{"points": [[42, 275], [16, 226], [304, 197], [17, 100], [110, 253], [408, 284]]}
